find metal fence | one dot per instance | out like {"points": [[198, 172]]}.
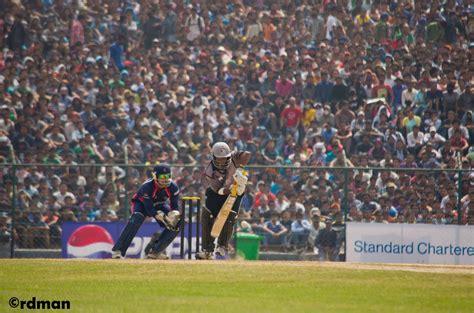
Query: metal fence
{"points": [[32, 214]]}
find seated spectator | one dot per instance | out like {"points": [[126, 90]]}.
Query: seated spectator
{"points": [[428, 160], [434, 138], [300, 229], [275, 232], [458, 142], [365, 145], [269, 153], [286, 220], [377, 152], [415, 140]]}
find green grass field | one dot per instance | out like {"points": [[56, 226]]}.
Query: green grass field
{"points": [[237, 286]]}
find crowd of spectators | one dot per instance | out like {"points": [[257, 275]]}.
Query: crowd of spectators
{"points": [[356, 83]]}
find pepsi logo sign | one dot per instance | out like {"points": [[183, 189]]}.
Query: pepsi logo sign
{"points": [[90, 241]]}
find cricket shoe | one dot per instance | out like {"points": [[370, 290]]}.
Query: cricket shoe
{"points": [[220, 251], [157, 256], [117, 255], [204, 255]]}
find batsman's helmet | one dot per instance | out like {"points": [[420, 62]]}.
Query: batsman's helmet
{"points": [[162, 175], [221, 155]]}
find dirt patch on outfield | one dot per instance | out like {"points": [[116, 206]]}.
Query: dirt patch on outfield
{"points": [[427, 268]]}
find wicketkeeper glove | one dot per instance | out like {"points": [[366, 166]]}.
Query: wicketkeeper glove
{"points": [[170, 220]]}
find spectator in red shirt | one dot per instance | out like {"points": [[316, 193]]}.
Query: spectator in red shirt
{"points": [[284, 86], [77, 30], [291, 118], [263, 189], [458, 142]]}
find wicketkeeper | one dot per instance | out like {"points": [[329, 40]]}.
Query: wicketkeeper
{"points": [[159, 198], [222, 174]]}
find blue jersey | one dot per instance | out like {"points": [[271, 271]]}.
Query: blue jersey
{"points": [[155, 198]]}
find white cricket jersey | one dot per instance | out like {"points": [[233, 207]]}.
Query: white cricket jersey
{"points": [[215, 179]]}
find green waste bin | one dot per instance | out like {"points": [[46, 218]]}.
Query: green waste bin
{"points": [[248, 245]]}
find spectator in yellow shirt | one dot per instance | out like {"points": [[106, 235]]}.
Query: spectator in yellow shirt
{"points": [[309, 115], [410, 121]]}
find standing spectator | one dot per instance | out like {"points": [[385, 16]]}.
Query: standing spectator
{"points": [[398, 91], [382, 28], [344, 115], [117, 50], [326, 242], [77, 30], [340, 92], [328, 133], [284, 86], [194, 25], [151, 28], [450, 99], [316, 227], [17, 38], [466, 98], [434, 97], [169, 25], [291, 118], [324, 89], [409, 94]]}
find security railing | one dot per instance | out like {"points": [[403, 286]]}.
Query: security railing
{"points": [[38, 198]]}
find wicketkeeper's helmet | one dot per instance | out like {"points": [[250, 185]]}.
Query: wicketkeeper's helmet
{"points": [[162, 175]]}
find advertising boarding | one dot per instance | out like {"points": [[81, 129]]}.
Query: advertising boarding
{"points": [[410, 243]]}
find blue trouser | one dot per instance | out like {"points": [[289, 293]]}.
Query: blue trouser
{"points": [[269, 240], [136, 220], [299, 239]]}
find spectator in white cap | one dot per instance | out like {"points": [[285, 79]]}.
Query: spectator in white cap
{"points": [[434, 138], [316, 226]]}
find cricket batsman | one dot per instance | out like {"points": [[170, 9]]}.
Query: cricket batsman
{"points": [[226, 181], [158, 198]]}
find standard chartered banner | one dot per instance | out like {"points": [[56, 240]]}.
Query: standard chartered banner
{"points": [[409, 243]]}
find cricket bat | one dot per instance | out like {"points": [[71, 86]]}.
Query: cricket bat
{"points": [[224, 212]]}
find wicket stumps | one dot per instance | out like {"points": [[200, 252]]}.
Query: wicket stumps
{"points": [[190, 201]]}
